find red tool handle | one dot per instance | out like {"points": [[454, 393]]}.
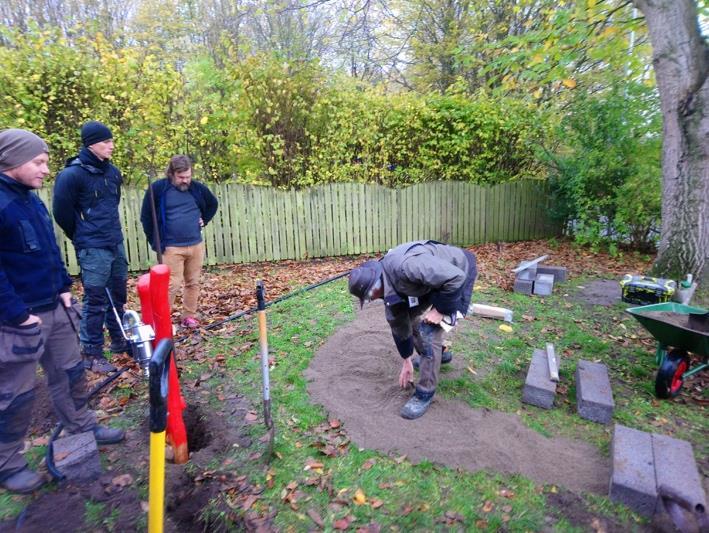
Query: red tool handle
{"points": [[153, 290]]}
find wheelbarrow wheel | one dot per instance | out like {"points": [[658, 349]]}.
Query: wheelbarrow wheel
{"points": [[669, 380]]}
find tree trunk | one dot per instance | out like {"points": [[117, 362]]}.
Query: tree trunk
{"points": [[681, 63]]}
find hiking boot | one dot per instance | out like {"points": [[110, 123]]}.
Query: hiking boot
{"points": [[107, 435], [415, 407], [25, 481], [446, 357], [98, 364], [190, 322], [120, 346]]}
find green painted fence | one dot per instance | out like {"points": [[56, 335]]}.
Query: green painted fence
{"points": [[263, 224]]}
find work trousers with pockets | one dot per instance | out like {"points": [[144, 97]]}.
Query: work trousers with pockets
{"points": [[54, 345], [102, 268], [428, 341], [185, 264]]}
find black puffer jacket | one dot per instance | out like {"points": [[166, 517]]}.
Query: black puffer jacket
{"points": [[86, 197]]}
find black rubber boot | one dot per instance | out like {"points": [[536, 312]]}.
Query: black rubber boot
{"points": [[415, 407], [25, 481], [100, 365], [107, 435], [120, 346]]}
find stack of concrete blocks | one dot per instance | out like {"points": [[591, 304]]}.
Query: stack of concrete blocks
{"points": [[539, 388], [531, 277], [594, 397], [644, 465], [76, 456]]}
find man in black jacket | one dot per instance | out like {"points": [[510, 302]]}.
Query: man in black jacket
{"points": [[37, 317], [183, 206], [86, 197]]}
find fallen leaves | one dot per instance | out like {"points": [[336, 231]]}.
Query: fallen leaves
{"points": [[506, 493], [123, 480], [315, 517], [359, 498], [369, 463], [312, 464], [343, 523]]}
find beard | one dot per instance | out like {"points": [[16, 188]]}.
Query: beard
{"points": [[182, 187]]}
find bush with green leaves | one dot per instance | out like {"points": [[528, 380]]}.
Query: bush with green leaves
{"points": [[258, 119], [606, 173]]}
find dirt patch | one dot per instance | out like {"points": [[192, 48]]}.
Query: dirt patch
{"points": [[354, 376], [575, 510], [696, 323], [210, 434], [599, 292], [65, 508]]}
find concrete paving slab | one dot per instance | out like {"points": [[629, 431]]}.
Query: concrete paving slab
{"points": [[560, 273], [539, 389], [76, 456], [523, 286], [543, 284], [594, 397], [676, 469], [633, 470]]}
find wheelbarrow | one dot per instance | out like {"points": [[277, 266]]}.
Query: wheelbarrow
{"points": [[678, 329]]}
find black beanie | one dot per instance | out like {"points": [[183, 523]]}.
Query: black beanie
{"points": [[95, 132]]}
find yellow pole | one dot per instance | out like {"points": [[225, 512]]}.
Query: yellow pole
{"points": [[156, 489], [159, 369]]}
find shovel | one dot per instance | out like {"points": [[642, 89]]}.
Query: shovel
{"points": [[263, 342]]}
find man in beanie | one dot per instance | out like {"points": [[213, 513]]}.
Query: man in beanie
{"points": [[86, 197], [37, 319], [424, 284], [183, 207]]}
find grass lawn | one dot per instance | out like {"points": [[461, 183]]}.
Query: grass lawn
{"points": [[318, 478], [358, 487]]}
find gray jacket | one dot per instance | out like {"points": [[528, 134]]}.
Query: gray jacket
{"points": [[437, 274]]}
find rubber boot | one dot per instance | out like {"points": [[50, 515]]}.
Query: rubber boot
{"points": [[415, 407], [107, 435], [25, 481]]}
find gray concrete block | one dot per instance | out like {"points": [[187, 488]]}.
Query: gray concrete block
{"points": [[529, 273], [76, 456], [594, 397], [523, 286], [676, 469], [543, 284], [560, 273], [633, 470], [539, 389]]}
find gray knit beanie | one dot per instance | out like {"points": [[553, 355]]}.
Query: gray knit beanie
{"points": [[19, 146]]}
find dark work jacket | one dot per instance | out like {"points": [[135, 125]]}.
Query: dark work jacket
{"points": [[206, 202], [85, 205], [32, 274], [437, 274]]}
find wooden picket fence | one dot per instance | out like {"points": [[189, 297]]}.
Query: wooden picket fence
{"points": [[264, 224]]}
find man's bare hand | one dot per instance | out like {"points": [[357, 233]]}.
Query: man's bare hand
{"points": [[407, 373], [65, 297], [432, 316], [33, 319]]}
